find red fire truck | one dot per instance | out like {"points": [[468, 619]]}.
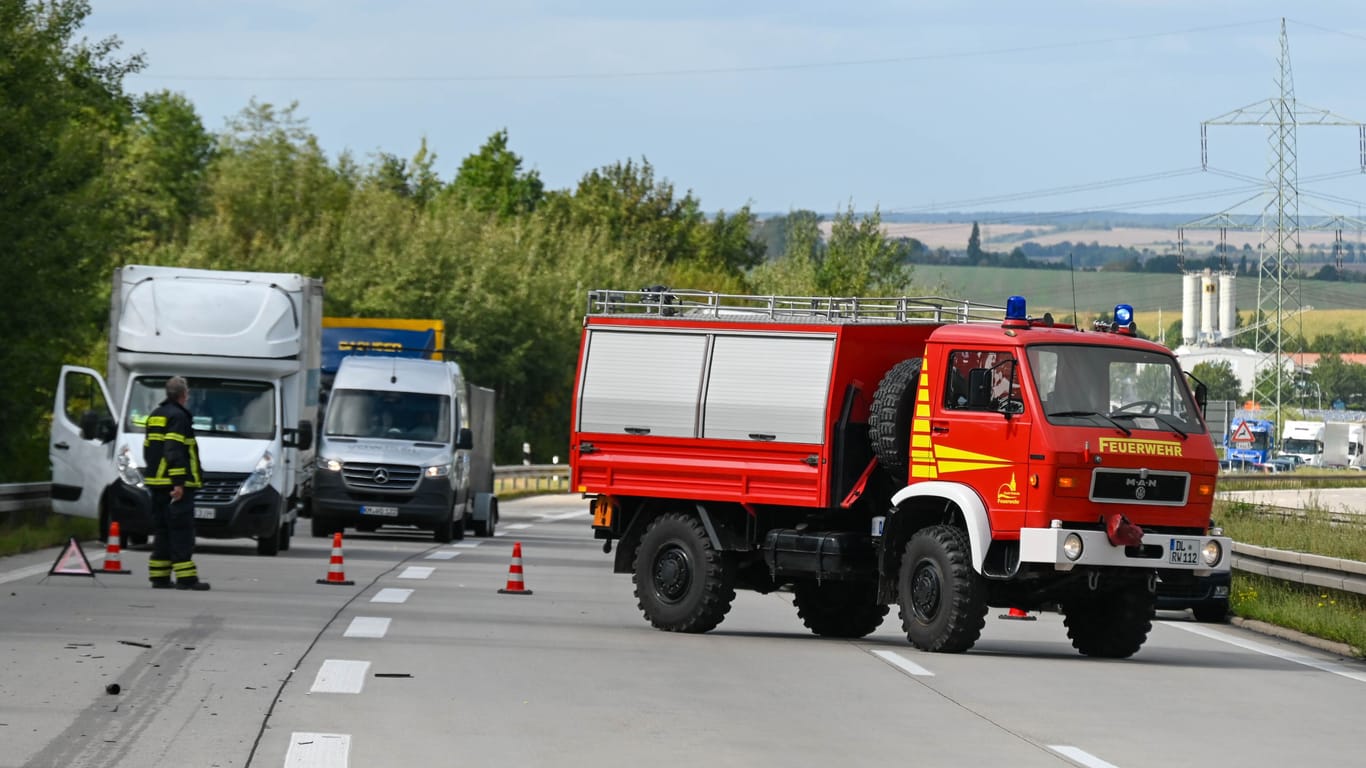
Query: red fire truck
{"points": [[942, 456]]}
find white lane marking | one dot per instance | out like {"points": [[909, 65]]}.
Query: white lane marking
{"points": [[518, 526], [340, 676], [367, 626], [34, 570], [1080, 756], [416, 572], [467, 544], [1350, 672], [442, 554], [563, 516], [392, 595], [318, 750], [902, 663]]}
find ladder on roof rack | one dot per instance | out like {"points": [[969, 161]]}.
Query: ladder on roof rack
{"points": [[692, 304]]}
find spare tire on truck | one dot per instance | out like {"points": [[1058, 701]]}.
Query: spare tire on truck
{"points": [[889, 421]]}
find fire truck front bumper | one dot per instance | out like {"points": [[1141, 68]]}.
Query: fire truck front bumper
{"points": [[1067, 548]]}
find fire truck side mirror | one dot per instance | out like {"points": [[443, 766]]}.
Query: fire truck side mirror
{"points": [[1201, 396]]}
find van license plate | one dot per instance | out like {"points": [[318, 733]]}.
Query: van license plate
{"points": [[205, 513], [1184, 552], [379, 511]]}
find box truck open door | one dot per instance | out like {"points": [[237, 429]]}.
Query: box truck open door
{"points": [[83, 429]]}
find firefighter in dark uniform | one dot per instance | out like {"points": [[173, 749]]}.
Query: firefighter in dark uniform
{"points": [[173, 474]]}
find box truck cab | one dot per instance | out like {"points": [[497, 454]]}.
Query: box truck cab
{"points": [[1303, 441], [398, 448], [248, 344]]}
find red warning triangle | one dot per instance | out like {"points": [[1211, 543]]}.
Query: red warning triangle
{"points": [[72, 561], [1241, 434]]}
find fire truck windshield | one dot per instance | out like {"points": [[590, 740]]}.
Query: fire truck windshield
{"points": [[1139, 388]]}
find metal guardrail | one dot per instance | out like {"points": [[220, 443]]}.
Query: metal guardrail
{"points": [[18, 497], [1315, 570]]}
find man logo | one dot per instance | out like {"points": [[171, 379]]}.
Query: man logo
{"points": [[1140, 492]]}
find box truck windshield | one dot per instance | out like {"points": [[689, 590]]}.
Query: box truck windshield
{"points": [[387, 414], [221, 407]]}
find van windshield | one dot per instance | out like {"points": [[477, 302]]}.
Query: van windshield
{"points": [[382, 413], [221, 407], [1138, 388]]}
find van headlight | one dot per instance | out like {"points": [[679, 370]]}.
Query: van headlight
{"points": [[128, 468], [438, 470], [259, 477], [330, 465]]}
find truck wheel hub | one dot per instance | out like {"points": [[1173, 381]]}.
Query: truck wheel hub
{"points": [[925, 592], [673, 574]]}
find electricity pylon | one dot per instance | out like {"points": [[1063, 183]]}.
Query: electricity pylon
{"points": [[1278, 275]]}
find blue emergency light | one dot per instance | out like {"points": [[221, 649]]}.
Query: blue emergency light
{"points": [[1124, 318], [1015, 310]]}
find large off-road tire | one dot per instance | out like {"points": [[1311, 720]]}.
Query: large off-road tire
{"points": [[1110, 624], [942, 599], [889, 420], [682, 583], [838, 608]]}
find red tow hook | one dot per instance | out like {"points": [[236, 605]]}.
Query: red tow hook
{"points": [[1122, 533]]}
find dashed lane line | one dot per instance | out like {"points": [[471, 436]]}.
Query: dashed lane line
{"points": [[416, 572], [367, 626], [1080, 756], [340, 676], [902, 663], [318, 750], [392, 595]]}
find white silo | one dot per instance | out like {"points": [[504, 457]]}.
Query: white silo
{"points": [[1228, 306], [1190, 307], [1209, 307]]}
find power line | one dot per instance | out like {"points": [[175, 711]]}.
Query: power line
{"points": [[698, 71]]}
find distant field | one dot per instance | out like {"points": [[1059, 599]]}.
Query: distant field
{"points": [[1003, 237], [1334, 304]]}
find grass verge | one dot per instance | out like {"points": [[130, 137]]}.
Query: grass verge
{"points": [[1325, 613], [43, 532]]}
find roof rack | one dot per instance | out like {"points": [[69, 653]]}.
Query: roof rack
{"points": [[709, 305]]}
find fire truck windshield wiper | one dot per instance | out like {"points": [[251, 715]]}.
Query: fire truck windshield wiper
{"points": [[1066, 414], [1155, 417]]}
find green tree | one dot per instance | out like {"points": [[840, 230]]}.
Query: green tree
{"points": [[1219, 377], [163, 166], [631, 209], [492, 180], [975, 244], [1338, 379], [62, 107], [860, 260]]}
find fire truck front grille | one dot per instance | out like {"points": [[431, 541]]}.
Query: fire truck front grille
{"points": [[381, 477], [1139, 487]]}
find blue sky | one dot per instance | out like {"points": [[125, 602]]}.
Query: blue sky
{"points": [[789, 104]]}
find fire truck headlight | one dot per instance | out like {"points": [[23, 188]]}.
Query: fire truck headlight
{"points": [[1071, 546], [1212, 552]]}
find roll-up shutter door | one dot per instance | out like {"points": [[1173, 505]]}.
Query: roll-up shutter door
{"points": [[642, 383], [768, 388]]}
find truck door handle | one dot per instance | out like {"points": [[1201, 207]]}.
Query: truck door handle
{"points": [[637, 430], [62, 446], [587, 448], [939, 430], [813, 460], [761, 436]]}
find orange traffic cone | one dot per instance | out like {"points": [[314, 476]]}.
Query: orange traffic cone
{"points": [[113, 562], [335, 573], [1018, 614], [515, 585]]}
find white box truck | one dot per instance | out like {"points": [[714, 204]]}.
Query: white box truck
{"points": [[249, 344], [1303, 441], [405, 442], [1342, 444]]}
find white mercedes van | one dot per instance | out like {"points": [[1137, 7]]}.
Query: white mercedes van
{"points": [[395, 448]]}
